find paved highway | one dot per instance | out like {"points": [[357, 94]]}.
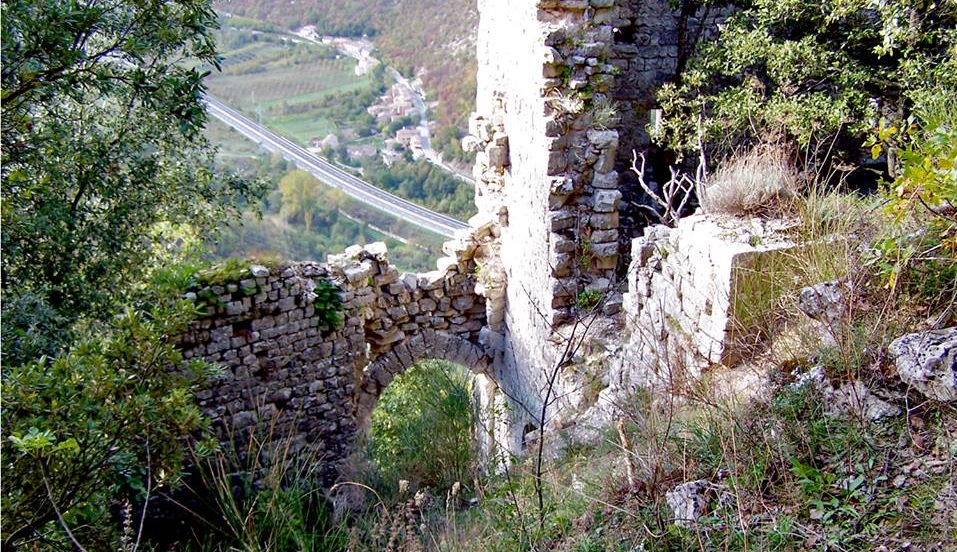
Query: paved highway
{"points": [[334, 176]]}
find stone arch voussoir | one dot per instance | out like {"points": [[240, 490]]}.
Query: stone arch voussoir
{"points": [[425, 345]]}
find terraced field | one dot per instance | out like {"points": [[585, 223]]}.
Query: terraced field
{"points": [[283, 82]]}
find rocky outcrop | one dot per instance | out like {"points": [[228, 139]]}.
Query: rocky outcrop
{"points": [[927, 361]]}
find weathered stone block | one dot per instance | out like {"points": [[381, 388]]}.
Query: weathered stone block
{"points": [[604, 221], [561, 264], [557, 163], [497, 156], [604, 236], [606, 201], [287, 304], [605, 180], [431, 280], [562, 245], [463, 303], [562, 220]]}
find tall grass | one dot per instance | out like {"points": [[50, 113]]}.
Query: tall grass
{"points": [[260, 497], [761, 181]]}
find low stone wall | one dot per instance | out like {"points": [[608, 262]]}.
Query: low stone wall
{"points": [[692, 289], [287, 371], [283, 370]]}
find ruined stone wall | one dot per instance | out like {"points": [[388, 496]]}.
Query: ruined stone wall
{"points": [[281, 367], [564, 88], [313, 384], [690, 290], [513, 136]]}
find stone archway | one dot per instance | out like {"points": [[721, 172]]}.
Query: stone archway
{"points": [[427, 344]]}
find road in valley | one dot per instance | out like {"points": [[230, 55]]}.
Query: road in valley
{"points": [[334, 176]]}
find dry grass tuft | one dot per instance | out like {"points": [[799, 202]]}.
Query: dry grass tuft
{"points": [[760, 182]]}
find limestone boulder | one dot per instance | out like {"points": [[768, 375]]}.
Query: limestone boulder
{"points": [[825, 302], [927, 361], [693, 500]]}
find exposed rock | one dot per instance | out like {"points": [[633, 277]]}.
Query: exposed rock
{"points": [[691, 501], [927, 361], [258, 271], [824, 302], [347, 501], [471, 144], [816, 378], [377, 250], [859, 401], [606, 201]]}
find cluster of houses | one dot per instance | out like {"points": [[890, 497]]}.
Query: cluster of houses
{"points": [[397, 103]]}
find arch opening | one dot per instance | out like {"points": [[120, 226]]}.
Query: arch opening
{"points": [[422, 431], [437, 367]]}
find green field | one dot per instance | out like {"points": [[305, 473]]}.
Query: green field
{"points": [[282, 82], [231, 144]]}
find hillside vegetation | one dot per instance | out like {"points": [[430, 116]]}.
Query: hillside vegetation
{"points": [[308, 92], [433, 38]]}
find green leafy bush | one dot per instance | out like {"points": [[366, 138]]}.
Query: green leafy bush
{"points": [[804, 72], [101, 423], [102, 144], [422, 428], [919, 254]]}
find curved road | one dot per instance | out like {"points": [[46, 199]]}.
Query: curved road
{"points": [[334, 176]]}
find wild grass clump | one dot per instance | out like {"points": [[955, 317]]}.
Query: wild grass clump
{"points": [[760, 182], [261, 496]]}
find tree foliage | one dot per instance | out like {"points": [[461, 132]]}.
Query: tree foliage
{"points": [[300, 196], [102, 119], [423, 183], [106, 176], [422, 428], [807, 71], [920, 248], [832, 78], [102, 422]]}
